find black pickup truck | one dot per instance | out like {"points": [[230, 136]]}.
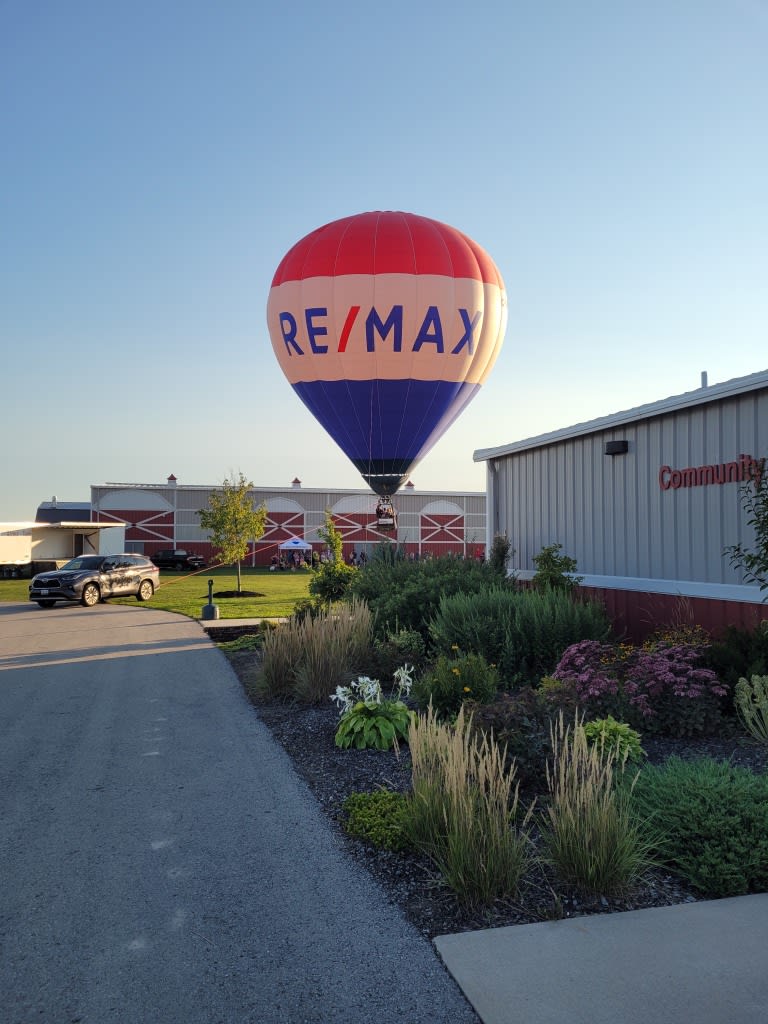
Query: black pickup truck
{"points": [[177, 558]]}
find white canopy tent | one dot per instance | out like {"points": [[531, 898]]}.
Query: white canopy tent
{"points": [[295, 544]]}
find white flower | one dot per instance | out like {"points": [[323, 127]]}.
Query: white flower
{"points": [[369, 689], [344, 698], [362, 689], [404, 679]]}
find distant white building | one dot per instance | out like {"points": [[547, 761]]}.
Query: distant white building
{"points": [[29, 547], [645, 500]]}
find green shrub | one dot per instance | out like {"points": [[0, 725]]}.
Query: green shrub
{"points": [[499, 556], [246, 642], [463, 810], [523, 632], [379, 818], [545, 623], [451, 681], [555, 571], [616, 738], [394, 649], [308, 608], [739, 653], [330, 581], [476, 622], [714, 820], [592, 837], [558, 695], [751, 700], [519, 722], [405, 595]]}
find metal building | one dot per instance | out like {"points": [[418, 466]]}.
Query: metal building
{"points": [[165, 516], [646, 501]]}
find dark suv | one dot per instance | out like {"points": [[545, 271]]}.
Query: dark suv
{"points": [[93, 578], [178, 558]]}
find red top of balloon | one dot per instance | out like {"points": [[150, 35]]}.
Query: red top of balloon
{"points": [[386, 242]]}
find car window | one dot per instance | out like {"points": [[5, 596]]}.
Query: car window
{"points": [[84, 562]]}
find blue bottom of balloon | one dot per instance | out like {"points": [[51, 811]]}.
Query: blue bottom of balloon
{"points": [[385, 426]]}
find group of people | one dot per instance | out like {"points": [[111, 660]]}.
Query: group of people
{"points": [[292, 560]]}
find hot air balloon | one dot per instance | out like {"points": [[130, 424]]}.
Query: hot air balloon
{"points": [[386, 325]]}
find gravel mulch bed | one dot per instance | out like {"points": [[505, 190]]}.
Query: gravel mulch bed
{"points": [[408, 879]]}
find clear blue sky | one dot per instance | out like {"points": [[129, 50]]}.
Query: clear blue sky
{"points": [[158, 158]]}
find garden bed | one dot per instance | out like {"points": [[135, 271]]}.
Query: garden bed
{"points": [[409, 880]]}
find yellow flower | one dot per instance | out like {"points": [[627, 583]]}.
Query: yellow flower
{"points": [[454, 647], [467, 690], [455, 671]]}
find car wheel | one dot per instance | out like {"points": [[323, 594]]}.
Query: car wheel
{"points": [[146, 590], [179, 566], [46, 604], [91, 595]]}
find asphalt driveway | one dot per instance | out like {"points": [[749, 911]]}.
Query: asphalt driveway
{"points": [[161, 862]]}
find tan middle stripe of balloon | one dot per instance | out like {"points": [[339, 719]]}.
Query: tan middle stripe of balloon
{"points": [[415, 294]]}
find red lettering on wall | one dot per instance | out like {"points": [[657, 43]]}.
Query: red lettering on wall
{"points": [[745, 468]]}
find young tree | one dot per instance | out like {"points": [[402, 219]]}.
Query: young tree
{"points": [[332, 537], [330, 580], [233, 521], [754, 500]]}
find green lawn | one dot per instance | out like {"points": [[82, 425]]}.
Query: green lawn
{"points": [[277, 592]]}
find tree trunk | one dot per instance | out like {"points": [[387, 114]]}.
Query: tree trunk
{"points": [[239, 581]]}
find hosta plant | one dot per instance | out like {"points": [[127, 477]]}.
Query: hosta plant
{"points": [[618, 738], [368, 718]]}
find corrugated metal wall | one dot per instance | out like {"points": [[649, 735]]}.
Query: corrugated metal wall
{"points": [[610, 513]]}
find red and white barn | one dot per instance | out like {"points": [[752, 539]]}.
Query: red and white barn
{"points": [[430, 523]]}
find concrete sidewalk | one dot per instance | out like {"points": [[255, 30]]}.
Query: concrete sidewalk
{"points": [[699, 962]]}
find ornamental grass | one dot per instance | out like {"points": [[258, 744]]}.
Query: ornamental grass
{"points": [[590, 834], [463, 810], [306, 659]]}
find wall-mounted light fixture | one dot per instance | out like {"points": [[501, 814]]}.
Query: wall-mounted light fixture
{"points": [[616, 447]]}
